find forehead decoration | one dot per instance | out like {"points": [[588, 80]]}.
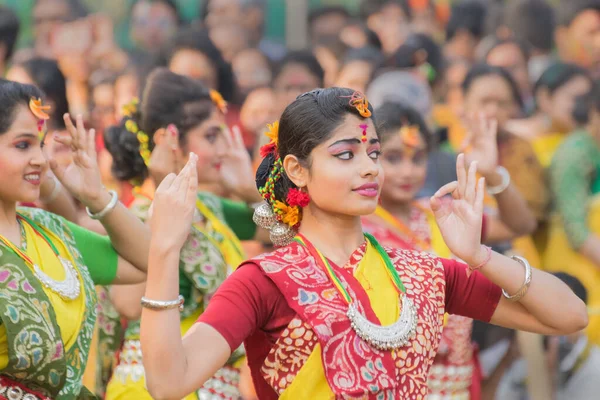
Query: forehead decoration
{"points": [[364, 132], [411, 138], [219, 101]]}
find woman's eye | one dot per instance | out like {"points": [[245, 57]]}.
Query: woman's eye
{"points": [[22, 145], [347, 155], [375, 154], [211, 137], [393, 158]]}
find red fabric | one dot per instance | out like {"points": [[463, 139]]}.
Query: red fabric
{"points": [[249, 307], [8, 382]]}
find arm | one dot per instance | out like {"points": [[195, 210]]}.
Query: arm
{"points": [[126, 300], [549, 307]]}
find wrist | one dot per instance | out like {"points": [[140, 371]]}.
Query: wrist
{"points": [[478, 258], [493, 178], [97, 202]]}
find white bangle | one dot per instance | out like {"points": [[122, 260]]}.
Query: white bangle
{"points": [[494, 190], [525, 287], [109, 207], [159, 305], [55, 191]]}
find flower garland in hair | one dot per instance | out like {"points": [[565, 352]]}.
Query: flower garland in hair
{"points": [[218, 100], [360, 102], [128, 111]]}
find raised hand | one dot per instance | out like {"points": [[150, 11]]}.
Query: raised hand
{"points": [[166, 157], [81, 176], [174, 205], [236, 171], [481, 144], [460, 220]]}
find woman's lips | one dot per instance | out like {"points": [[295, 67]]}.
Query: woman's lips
{"points": [[368, 190]]}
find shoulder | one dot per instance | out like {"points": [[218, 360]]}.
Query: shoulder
{"points": [[579, 147], [277, 260], [48, 220]]}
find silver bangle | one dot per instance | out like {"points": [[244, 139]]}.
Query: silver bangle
{"points": [[494, 190], [55, 191], [109, 207], [159, 305], [523, 289]]}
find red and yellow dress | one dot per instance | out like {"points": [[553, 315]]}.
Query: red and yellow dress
{"points": [[455, 370], [299, 340]]}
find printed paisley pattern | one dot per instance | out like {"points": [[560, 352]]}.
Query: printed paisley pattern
{"points": [[353, 369], [36, 352]]}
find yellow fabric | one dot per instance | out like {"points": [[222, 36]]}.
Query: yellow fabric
{"points": [[438, 244], [310, 382], [230, 246], [70, 313], [136, 390], [545, 146], [445, 117], [561, 257]]}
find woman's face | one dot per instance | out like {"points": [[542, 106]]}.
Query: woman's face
{"points": [[208, 143], [404, 166], [22, 161], [195, 65], [355, 75], [152, 24], [561, 103], [345, 175], [491, 94], [18, 74], [293, 80]]}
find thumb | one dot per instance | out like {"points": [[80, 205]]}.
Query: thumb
{"points": [[435, 203]]}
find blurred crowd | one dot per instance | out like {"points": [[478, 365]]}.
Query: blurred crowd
{"points": [[532, 65]]}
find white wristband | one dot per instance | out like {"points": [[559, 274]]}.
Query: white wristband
{"points": [[109, 207], [494, 190]]}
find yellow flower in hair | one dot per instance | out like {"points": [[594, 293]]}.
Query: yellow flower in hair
{"points": [[288, 215], [131, 126], [273, 132], [219, 101], [130, 108]]}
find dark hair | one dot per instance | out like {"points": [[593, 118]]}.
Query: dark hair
{"points": [[260, 4], [585, 104], [482, 70], [533, 22], [305, 58], [574, 284], [77, 9], [369, 54], [167, 99], [47, 76], [306, 123], [407, 55], [567, 11], [497, 42], [466, 16], [324, 11], [557, 75], [391, 117], [370, 7], [372, 38], [198, 39], [9, 30], [13, 95]]}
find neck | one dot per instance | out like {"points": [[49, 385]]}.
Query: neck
{"points": [[336, 236], [9, 227], [400, 210]]}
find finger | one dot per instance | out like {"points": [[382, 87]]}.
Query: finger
{"points": [[71, 129], [166, 183], [479, 196], [493, 128], [228, 138], [67, 140], [435, 203], [91, 144], [446, 189], [471, 186], [237, 137], [461, 174], [183, 175], [192, 188], [81, 133]]}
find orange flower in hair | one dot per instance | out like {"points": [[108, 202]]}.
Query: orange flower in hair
{"points": [[39, 110], [287, 214], [410, 136], [219, 101], [273, 134], [360, 102]]}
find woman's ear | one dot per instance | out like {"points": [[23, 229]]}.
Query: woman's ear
{"points": [[170, 134], [159, 136], [294, 170]]}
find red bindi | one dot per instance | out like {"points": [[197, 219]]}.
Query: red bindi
{"points": [[364, 132]]}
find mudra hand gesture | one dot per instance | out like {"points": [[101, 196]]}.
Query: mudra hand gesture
{"points": [[237, 173], [81, 177], [460, 220], [174, 206], [481, 144]]}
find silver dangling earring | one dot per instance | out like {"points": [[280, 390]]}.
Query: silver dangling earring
{"points": [[264, 216], [282, 234]]}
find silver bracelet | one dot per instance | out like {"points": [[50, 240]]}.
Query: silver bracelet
{"points": [[55, 191], [109, 207], [494, 190], [523, 289], [158, 305]]}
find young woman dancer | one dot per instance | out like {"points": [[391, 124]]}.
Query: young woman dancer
{"points": [[333, 314]]}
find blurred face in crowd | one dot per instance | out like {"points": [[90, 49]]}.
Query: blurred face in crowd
{"points": [[48, 15], [580, 42], [18, 74], [454, 77], [126, 89], [327, 26], [153, 23], [491, 94], [404, 167], [329, 63], [391, 25], [559, 105], [293, 80], [355, 75], [251, 69], [511, 58], [229, 39], [258, 110], [231, 12], [195, 65], [103, 111]]}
